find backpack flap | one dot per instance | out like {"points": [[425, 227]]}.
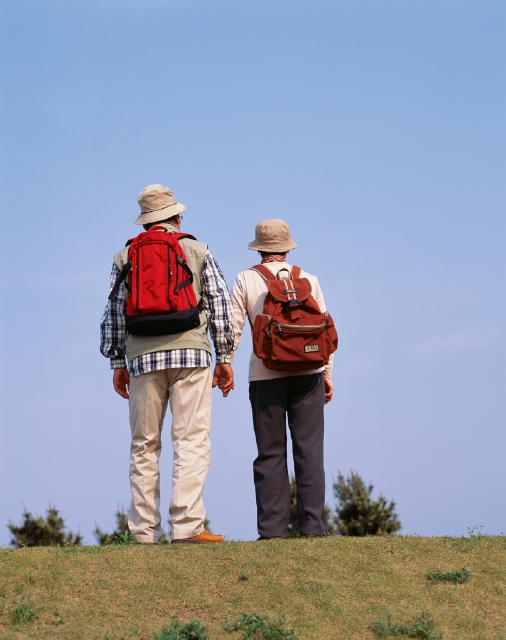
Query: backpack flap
{"points": [[292, 292]]}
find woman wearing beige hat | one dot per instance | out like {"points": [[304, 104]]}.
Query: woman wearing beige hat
{"points": [[277, 396]]}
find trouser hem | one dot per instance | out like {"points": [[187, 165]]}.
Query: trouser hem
{"points": [[178, 535], [147, 539]]}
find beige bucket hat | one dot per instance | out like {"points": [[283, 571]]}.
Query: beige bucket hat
{"points": [[272, 236], [157, 203]]}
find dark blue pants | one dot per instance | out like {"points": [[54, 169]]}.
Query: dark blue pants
{"points": [[301, 399]]}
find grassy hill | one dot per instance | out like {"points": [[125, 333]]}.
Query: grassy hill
{"points": [[325, 588]]}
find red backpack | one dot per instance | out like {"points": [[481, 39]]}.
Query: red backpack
{"points": [[292, 334], [161, 299]]}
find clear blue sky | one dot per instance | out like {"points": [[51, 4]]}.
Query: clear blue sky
{"points": [[376, 129]]}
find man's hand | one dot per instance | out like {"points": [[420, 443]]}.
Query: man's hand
{"points": [[121, 382], [329, 389], [223, 378]]}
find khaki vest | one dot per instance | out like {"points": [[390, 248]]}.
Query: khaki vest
{"points": [[195, 338]]}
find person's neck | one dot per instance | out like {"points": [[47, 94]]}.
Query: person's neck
{"points": [[274, 257]]}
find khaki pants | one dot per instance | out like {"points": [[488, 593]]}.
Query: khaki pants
{"points": [[188, 392]]}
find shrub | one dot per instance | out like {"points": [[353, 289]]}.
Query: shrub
{"points": [[104, 538], [35, 532], [124, 538], [357, 514]]}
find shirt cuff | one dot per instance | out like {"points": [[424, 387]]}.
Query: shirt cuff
{"points": [[118, 362], [224, 358], [327, 369]]}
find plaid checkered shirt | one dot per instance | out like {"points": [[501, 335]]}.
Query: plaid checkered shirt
{"points": [[216, 303]]}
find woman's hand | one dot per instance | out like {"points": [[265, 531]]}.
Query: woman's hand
{"points": [[329, 389]]}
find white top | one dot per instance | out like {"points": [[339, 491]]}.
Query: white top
{"points": [[248, 295]]}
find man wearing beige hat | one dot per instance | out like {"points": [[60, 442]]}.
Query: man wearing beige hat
{"points": [[278, 395], [172, 369]]}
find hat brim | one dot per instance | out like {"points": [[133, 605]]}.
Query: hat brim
{"points": [[274, 247], [161, 214]]}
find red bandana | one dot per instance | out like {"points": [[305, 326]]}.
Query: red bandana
{"points": [[274, 257]]}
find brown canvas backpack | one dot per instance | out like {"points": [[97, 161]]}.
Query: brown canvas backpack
{"points": [[292, 334]]}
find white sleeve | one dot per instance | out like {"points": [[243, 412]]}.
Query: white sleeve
{"points": [[318, 296], [239, 308], [327, 369]]}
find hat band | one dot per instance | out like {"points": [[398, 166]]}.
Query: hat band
{"points": [[160, 209]]}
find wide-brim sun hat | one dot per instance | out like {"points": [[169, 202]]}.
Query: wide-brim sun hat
{"points": [[157, 203], [272, 236]]}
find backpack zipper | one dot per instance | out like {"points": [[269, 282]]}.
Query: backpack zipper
{"points": [[176, 290], [170, 279], [137, 278], [298, 328]]}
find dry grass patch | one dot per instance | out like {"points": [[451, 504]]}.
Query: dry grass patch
{"points": [[324, 588]]}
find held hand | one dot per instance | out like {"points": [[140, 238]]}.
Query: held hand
{"points": [[329, 389], [223, 378], [121, 382]]}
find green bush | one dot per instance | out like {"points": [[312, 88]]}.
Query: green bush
{"points": [[37, 532], [104, 538], [357, 514]]}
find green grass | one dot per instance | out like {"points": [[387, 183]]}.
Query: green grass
{"points": [[334, 588], [422, 627], [177, 630], [259, 627], [459, 576], [125, 538], [23, 613]]}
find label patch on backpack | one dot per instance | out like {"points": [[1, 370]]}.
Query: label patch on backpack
{"points": [[309, 348]]}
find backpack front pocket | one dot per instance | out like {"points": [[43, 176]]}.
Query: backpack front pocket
{"points": [[304, 344]]}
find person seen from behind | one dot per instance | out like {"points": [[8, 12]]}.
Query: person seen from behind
{"points": [[166, 291], [289, 379]]}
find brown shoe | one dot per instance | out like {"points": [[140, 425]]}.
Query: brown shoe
{"points": [[202, 538]]}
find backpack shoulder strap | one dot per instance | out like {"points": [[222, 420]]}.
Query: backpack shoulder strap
{"points": [[122, 275], [263, 271], [180, 236], [177, 236], [296, 272], [182, 262]]}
